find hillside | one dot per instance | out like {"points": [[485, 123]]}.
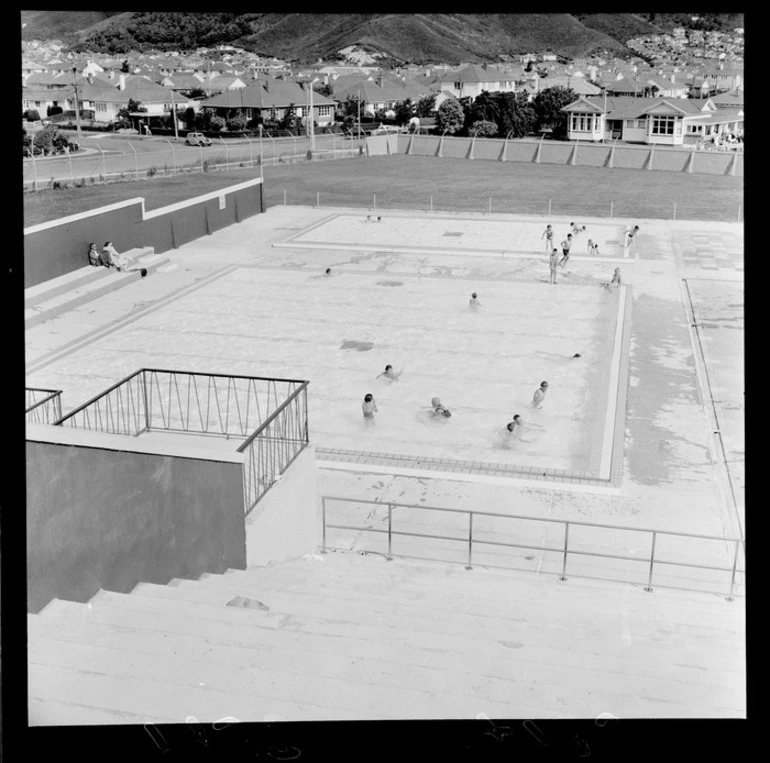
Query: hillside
{"points": [[306, 37]]}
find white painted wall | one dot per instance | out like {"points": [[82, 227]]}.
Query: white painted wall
{"points": [[285, 523]]}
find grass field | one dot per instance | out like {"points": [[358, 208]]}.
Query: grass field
{"points": [[408, 182]]}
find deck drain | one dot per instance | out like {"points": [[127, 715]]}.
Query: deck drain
{"points": [[246, 603], [350, 344], [390, 283], [452, 233]]}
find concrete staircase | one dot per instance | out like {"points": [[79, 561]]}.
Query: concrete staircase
{"points": [[58, 295], [344, 636]]}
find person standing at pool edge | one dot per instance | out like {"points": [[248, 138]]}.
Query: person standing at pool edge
{"points": [[553, 261], [539, 396], [548, 236], [565, 247]]}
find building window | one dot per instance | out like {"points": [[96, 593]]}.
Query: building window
{"points": [[458, 85], [663, 125], [694, 128], [100, 106], [324, 111], [581, 123]]}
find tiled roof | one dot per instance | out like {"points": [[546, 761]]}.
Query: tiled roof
{"points": [[635, 108], [266, 93]]}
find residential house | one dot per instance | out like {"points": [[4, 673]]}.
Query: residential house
{"points": [[382, 95], [663, 121], [732, 99], [183, 82], [471, 80], [270, 98]]}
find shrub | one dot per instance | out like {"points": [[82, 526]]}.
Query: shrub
{"points": [[237, 124], [216, 123], [31, 115], [483, 129]]}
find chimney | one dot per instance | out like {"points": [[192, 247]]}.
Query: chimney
{"points": [[484, 67], [122, 82], [379, 80], [90, 79]]}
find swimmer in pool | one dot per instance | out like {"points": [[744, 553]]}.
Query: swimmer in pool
{"points": [[514, 427], [369, 407], [539, 396], [439, 408], [389, 373], [473, 302]]}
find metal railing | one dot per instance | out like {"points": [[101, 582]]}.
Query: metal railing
{"points": [[43, 405], [564, 550], [274, 446], [270, 413]]}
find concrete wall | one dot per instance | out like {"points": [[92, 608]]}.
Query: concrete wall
{"points": [[107, 511], [57, 247], [558, 152], [285, 523]]}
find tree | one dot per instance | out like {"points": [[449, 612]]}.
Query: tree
{"points": [[196, 92], [450, 116], [517, 115], [124, 66], [290, 119], [426, 106], [548, 105], [404, 111], [483, 129], [485, 108], [236, 124], [31, 115], [351, 105], [53, 110], [324, 90], [44, 139]]}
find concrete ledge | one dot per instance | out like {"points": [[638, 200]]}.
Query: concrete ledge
{"points": [[96, 287], [34, 295]]}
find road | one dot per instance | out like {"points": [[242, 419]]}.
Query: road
{"points": [[133, 155]]}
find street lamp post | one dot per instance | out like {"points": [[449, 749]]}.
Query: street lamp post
{"points": [[77, 104]]}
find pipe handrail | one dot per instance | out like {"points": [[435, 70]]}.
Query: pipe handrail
{"points": [[102, 394], [537, 519], [53, 394]]}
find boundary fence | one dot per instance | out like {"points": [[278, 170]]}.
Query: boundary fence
{"points": [[738, 544]]}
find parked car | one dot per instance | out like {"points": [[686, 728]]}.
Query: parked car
{"points": [[197, 139]]}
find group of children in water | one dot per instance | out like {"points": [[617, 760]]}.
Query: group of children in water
{"points": [[438, 409]]}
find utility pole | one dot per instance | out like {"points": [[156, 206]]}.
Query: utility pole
{"points": [[77, 104], [311, 126], [173, 116]]}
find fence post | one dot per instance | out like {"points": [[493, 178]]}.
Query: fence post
{"points": [[227, 156], [739, 212], [490, 205], [612, 207], [735, 564], [470, 540], [251, 149], [284, 197], [390, 508], [136, 161], [673, 217], [34, 173], [374, 202], [431, 205], [323, 524], [72, 171], [173, 156], [549, 207], [318, 198], [566, 544], [648, 587], [104, 163]]}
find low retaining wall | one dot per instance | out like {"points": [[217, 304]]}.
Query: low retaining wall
{"points": [[57, 247], [107, 511], [560, 152]]}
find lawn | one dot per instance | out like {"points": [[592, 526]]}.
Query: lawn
{"points": [[409, 182]]}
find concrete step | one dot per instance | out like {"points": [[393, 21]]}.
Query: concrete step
{"points": [[156, 700], [42, 292], [526, 631], [50, 307], [503, 665], [498, 592]]}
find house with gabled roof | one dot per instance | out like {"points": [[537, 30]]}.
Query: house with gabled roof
{"points": [[270, 98], [471, 80], [661, 121]]}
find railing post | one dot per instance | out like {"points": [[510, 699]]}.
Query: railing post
{"points": [[673, 216], [146, 401], [284, 197], [648, 587], [490, 205], [735, 564], [612, 207], [374, 202], [431, 203], [549, 207], [566, 545], [318, 198], [390, 508], [470, 540], [323, 524]]}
